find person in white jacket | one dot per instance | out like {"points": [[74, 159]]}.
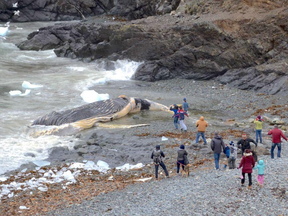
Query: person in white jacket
{"points": [[233, 155]]}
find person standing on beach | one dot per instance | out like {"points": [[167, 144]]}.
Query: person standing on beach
{"points": [[259, 126], [181, 154], [247, 163], [181, 114], [244, 143], [260, 167], [185, 105], [157, 159], [174, 108], [217, 146], [201, 124], [233, 156], [276, 140]]}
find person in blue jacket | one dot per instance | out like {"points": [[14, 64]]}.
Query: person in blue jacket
{"points": [[260, 167], [185, 105], [174, 108], [227, 153]]}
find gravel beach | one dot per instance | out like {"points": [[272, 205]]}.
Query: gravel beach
{"points": [[205, 192]]}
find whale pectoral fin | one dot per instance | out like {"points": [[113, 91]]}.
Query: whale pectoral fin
{"points": [[157, 106]]}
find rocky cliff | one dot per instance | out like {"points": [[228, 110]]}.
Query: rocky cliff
{"points": [[245, 46], [55, 10]]}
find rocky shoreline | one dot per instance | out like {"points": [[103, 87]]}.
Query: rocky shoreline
{"points": [[236, 43], [205, 192], [251, 55], [211, 58], [225, 109]]}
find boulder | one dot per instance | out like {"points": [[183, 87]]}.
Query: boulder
{"points": [[277, 121], [82, 151], [29, 154], [274, 121]]}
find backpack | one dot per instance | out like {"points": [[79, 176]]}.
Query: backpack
{"points": [[157, 157], [227, 151]]}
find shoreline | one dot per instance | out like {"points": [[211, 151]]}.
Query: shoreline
{"points": [[207, 98], [135, 145]]}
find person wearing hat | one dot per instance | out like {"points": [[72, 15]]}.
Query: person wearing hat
{"points": [[233, 155], [174, 108], [185, 105], [157, 159], [258, 126], [201, 124], [182, 153]]}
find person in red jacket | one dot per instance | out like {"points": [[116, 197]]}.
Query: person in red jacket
{"points": [[276, 140], [247, 163]]}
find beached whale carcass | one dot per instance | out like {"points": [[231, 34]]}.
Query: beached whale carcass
{"points": [[86, 116]]}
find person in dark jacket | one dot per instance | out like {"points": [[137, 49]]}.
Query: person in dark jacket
{"points": [[247, 163], [157, 159], [244, 143], [276, 140], [217, 146], [174, 108], [182, 153]]}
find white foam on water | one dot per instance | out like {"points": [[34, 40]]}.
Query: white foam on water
{"points": [[80, 69], [123, 70], [15, 149], [30, 56]]}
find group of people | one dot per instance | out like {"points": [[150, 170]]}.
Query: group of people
{"points": [[158, 155], [249, 157], [180, 111]]}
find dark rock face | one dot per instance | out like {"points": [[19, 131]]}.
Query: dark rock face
{"points": [[198, 51], [268, 78], [254, 57], [54, 10]]}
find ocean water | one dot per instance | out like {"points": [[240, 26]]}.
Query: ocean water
{"points": [[53, 84]]}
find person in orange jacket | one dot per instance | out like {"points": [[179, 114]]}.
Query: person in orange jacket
{"points": [[201, 124]]}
